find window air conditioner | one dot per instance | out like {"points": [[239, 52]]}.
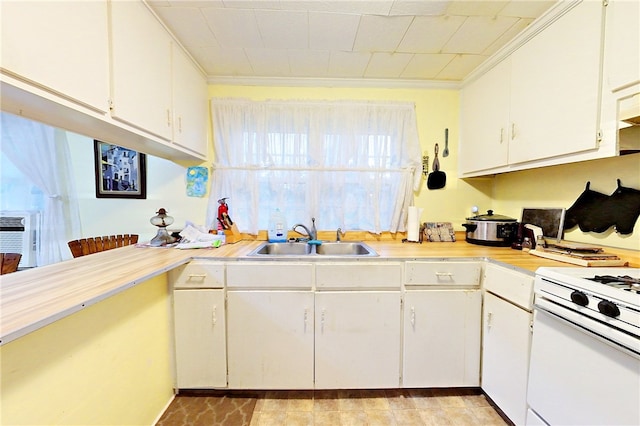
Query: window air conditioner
{"points": [[20, 233]]}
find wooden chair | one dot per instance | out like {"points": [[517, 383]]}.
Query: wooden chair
{"points": [[92, 245], [10, 262]]}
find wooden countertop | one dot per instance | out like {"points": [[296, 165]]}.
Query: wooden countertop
{"points": [[33, 298]]}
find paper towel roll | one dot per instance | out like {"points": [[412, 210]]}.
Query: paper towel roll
{"points": [[413, 225]]}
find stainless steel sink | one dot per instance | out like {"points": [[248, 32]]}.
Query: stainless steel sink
{"points": [[282, 249], [345, 249], [339, 249]]}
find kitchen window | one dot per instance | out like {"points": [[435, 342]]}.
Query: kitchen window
{"points": [[350, 164]]}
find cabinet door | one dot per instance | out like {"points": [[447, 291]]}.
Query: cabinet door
{"points": [[555, 80], [141, 69], [441, 338], [505, 356], [270, 339], [189, 104], [199, 321], [485, 120], [622, 52], [357, 340], [59, 46]]}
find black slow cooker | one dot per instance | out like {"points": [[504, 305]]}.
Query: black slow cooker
{"points": [[491, 229]]}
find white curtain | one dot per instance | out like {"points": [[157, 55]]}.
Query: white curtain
{"points": [[349, 164], [41, 153]]}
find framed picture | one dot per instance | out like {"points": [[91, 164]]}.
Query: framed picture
{"points": [[120, 172]]}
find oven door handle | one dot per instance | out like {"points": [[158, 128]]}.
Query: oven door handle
{"points": [[606, 334]]}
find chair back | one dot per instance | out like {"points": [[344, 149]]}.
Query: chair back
{"points": [[9, 262], [92, 245]]}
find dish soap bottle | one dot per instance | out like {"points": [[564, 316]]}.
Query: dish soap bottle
{"points": [[277, 232]]}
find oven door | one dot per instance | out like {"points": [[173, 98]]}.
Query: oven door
{"points": [[577, 377]]}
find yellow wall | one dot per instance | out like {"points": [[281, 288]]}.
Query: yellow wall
{"points": [[435, 111], [560, 186], [166, 187], [506, 194], [108, 364]]}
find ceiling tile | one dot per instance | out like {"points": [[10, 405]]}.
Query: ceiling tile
{"points": [[381, 33], [269, 62], [506, 36], [233, 28], [252, 4], [426, 66], [408, 39], [526, 8], [428, 34], [348, 64], [358, 7], [308, 63], [188, 24], [332, 31], [419, 7], [283, 30], [477, 33], [476, 7], [387, 65], [460, 66], [217, 61]]}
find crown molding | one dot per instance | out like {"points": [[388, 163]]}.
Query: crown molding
{"points": [[335, 82]]}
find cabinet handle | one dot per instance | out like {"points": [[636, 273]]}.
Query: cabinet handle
{"points": [[513, 131], [489, 318], [214, 316], [168, 117], [322, 313], [501, 134], [413, 317], [306, 318], [180, 124], [201, 276]]}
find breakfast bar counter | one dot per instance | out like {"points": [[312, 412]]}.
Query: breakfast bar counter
{"points": [[33, 298]]}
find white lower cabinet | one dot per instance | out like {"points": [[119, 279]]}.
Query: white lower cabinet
{"points": [[200, 347], [270, 343], [506, 342], [441, 338], [357, 339]]}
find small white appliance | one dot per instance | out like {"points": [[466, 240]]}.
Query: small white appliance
{"points": [[20, 233]]}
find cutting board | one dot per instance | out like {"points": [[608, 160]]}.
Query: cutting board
{"points": [[568, 245], [578, 261]]}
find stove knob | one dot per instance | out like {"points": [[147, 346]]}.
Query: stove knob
{"points": [[608, 308], [579, 298]]}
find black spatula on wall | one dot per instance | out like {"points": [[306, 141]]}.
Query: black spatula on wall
{"points": [[436, 179]]}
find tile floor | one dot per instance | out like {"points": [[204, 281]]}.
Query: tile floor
{"points": [[395, 407], [375, 407]]}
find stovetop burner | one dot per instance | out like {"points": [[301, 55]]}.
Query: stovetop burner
{"points": [[623, 282]]}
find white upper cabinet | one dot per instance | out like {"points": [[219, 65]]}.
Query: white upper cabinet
{"points": [[190, 106], [141, 69], [622, 44], [541, 104], [485, 120], [555, 80], [60, 47]]}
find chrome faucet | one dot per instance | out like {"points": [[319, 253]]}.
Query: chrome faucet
{"points": [[339, 232], [313, 233]]}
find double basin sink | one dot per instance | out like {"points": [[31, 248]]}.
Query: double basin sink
{"points": [[338, 248]]}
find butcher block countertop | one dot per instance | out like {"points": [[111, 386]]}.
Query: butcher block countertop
{"points": [[33, 298]]}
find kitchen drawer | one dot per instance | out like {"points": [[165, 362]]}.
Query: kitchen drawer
{"points": [[198, 274], [514, 286], [464, 274], [264, 275], [358, 275]]}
